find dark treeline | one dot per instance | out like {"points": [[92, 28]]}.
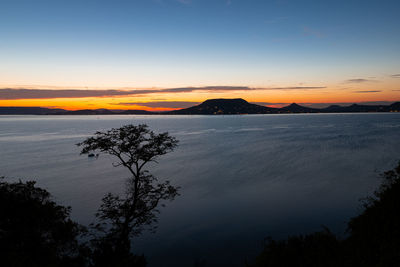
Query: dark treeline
{"points": [[373, 236]]}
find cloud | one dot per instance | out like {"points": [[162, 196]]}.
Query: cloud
{"points": [[8, 93], [395, 75], [244, 88], [358, 80], [206, 88], [294, 88], [23, 93], [162, 104], [371, 91]]}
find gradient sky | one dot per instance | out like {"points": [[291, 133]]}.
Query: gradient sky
{"points": [[277, 51]]}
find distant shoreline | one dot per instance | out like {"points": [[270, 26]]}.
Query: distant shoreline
{"points": [[236, 106], [194, 115]]}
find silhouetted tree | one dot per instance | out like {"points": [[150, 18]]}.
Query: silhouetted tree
{"points": [[34, 230], [122, 218]]}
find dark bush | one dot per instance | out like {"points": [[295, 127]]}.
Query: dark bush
{"points": [[373, 236], [34, 230]]}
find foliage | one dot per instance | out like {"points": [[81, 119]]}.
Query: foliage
{"points": [[375, 234], [317, 249], [122, 218], [34, 230], [373, 240]]}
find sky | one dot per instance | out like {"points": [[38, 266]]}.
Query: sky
{"points": [[168, 54]]}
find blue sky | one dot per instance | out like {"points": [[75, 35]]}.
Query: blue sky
{"points": [[170, 43]]}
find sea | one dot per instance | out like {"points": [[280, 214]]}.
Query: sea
{"points": [[242, 178]]}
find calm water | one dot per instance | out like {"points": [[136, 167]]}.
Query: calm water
{"points": [[243, 178]]}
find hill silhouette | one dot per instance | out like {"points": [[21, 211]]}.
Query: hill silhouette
{"points": [[295, 108], [220, 106], [28, 111], [224, 106], [395, 107]]}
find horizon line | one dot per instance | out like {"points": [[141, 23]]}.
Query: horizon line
{"points": [[151, 105]]}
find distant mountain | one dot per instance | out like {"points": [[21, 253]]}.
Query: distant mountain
{"points": [[334, 108], [28, 111], [104, 112], [208, 107], [224, 106], [395, 107], [86, 112], [241, 106], [49, 111], [295, 108]]}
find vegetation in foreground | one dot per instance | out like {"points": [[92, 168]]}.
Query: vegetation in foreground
{"points": [[35, 231], [373, 236]]}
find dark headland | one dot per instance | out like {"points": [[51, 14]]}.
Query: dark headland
{"points": [[209, 107]]}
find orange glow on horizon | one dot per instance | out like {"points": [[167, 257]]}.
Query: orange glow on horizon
{"points": [[331, 94]]}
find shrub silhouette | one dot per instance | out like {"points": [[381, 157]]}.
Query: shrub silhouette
{"points": [[34, 230], [316, 249], [373, 236]]}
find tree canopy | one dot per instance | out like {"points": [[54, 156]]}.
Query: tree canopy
{"points": [[133, 146], [123, 217]]}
